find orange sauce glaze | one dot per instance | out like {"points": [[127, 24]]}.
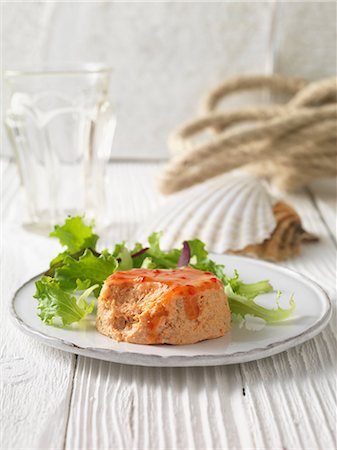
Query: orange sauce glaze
{"points": [[181, 277], [186, 282]]}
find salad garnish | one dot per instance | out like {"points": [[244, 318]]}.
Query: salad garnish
{"points": [[80, 268]]}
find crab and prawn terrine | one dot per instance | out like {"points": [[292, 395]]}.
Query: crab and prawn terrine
{"points": [[178, 306]]}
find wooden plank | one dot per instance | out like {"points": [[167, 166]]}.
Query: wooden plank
{"points": [[292, 395], [296, 52], [10, 185], [150, 106], [324, 195], [36, 380], [318, 260], [118, 406]]}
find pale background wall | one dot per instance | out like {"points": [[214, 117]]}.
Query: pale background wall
{"points": [[166, 55]]}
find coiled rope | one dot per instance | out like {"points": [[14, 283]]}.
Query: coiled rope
{"points": [[290, 144]]}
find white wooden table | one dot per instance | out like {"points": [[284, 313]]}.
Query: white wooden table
{"points": [[55, 400]]}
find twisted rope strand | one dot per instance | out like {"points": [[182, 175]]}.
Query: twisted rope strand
{"points": [[282, 135]]}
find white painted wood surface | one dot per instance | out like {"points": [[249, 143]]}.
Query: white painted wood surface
{"points": [[166, 54], [53, 400]]}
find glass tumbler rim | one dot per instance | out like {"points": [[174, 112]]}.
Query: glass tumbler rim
{"points": [[83, 68]]}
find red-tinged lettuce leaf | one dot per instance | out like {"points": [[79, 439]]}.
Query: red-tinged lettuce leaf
{"points": [[139, 252], [185, 255]]}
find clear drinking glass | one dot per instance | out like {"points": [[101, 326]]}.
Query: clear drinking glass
{"points": [[61, 127]]}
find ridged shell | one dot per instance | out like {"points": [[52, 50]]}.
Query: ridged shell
{"points": [[228, 212]]}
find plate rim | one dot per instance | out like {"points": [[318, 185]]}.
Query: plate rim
{"points": [[154, 360]]}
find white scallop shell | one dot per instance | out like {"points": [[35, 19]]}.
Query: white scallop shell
{"points": [[228, 212]]}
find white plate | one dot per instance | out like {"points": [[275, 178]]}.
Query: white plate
{"points": [[240, 345]]}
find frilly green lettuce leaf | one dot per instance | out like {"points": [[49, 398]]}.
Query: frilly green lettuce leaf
{"points": [[242, 306], [87, 269], [55, 304], [76, 236]]}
